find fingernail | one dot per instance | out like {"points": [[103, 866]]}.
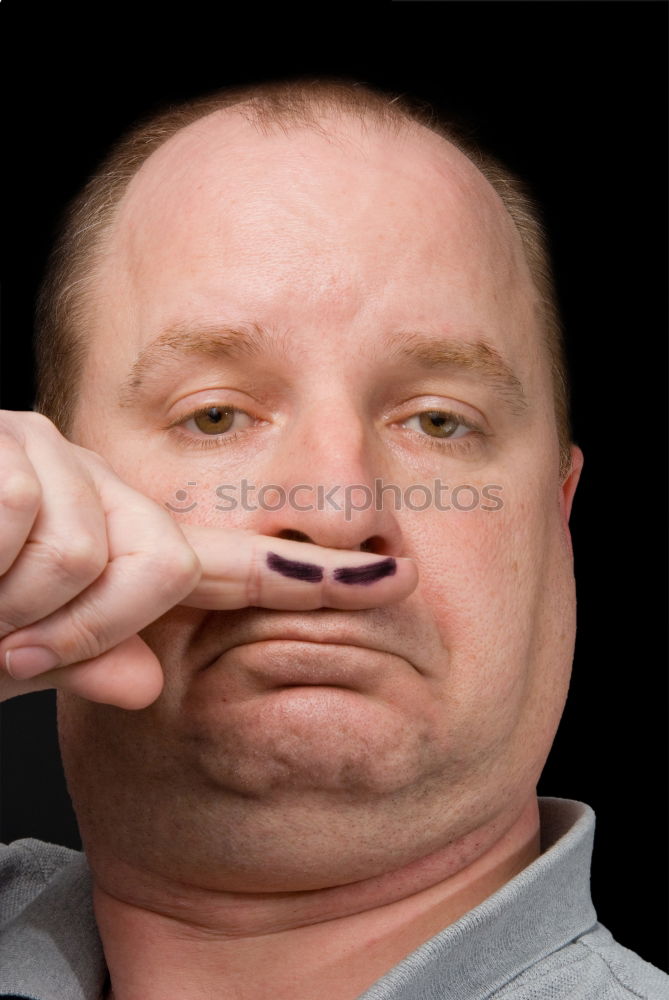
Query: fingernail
{"points": [[29, 661]]}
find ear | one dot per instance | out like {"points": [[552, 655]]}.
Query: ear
{"points": [[568, 487]]}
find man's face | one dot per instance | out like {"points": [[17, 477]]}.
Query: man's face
{"points": [[342, 295]]}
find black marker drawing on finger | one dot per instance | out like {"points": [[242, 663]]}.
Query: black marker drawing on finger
{"points": [[312, 573], [294, 570], [366, 574]]}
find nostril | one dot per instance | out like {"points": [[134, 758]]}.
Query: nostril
{"points": [[294, 536], [373, 544]]}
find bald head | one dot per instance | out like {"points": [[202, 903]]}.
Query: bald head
{"points": [[220, 189], [320, 122]]}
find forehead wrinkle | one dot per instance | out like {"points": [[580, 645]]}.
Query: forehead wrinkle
{"points": [[182, 341]]}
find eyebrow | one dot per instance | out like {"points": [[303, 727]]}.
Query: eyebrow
{"points": [[477, 358], [252, 340], [181, 341]]}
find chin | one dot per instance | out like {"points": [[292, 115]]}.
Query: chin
{"points": [[323, 741]]}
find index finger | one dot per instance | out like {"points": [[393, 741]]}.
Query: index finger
{"points": [[240, 569]]}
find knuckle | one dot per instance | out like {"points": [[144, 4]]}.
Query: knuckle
{"points": [[9, 622], [86, 635], [91, 458], [20, 491], [81, 559], [16, 422], [35, 425], [254, 581], [35, 419], [177, 571]]}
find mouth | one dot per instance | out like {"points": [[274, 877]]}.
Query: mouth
{"points": [[283, 661], [257, 649], [306, 631]]}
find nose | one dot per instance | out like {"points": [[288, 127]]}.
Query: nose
{"points": [[328, 473]]}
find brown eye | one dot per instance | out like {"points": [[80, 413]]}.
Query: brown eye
{"points": [[214, 420], [438, 424]]}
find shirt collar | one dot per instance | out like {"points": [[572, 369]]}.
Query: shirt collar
{"points": [[539, 911], [52, 950]]}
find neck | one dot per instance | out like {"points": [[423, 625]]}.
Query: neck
{"points": [[336, 941]]}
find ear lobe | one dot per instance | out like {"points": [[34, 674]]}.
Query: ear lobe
{"points": [[568, 487]]}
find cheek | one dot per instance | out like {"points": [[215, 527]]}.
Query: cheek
{"points": [[484, 577], [193, 488], [478, 564]]}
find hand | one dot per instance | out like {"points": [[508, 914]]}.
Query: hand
{"points": [[86, 562]]}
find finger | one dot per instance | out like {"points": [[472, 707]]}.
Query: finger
{"points": [[129, 676], [151, 568], [66, 548], [240, 569], [20, 495]]}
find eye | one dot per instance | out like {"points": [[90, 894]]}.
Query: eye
{"points": [[439, 424], [217, 420]]}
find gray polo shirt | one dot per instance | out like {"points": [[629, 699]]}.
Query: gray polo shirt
{"points": [[536, 938]]}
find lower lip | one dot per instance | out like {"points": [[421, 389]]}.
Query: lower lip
{"points": [[281, 663]]}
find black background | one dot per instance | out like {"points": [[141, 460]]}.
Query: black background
{"points": [[572, 95]]}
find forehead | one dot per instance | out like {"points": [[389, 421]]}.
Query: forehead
{"points": [[412, 180], [339, 218], [226, 147]]}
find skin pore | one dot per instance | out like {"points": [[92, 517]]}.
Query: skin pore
{"points": [[315, 794]]}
